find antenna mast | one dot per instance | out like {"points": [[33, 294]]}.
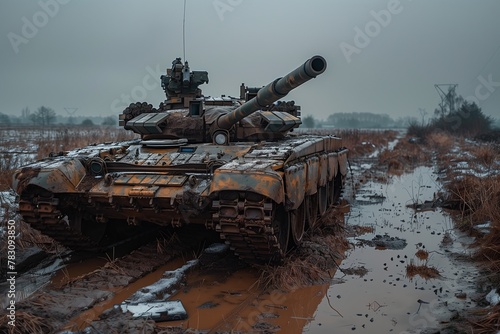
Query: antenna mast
{"points": [[184, 32]]}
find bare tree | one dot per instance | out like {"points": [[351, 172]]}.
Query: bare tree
{"points": [[25, 113], [43, 116]]}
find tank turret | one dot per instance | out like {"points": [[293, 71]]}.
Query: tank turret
{"points": [[188, 115]]}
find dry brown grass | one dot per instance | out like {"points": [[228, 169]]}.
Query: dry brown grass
{"points": [[25, 323], [30, 237], [486, 321], [404, 157], [442, 141], [485, 154], [293, 274], [314, 262], [488, 251], [423, 271], [422, 254], [476, 198], [23, 145]]}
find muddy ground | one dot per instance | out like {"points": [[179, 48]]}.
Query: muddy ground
{"points": [[393, 264]]}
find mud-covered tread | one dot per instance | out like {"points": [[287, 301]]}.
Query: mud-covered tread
{"points": [[252, 240], [60, 231]]}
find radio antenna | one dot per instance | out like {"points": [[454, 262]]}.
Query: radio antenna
{"points": [[184, 32]]}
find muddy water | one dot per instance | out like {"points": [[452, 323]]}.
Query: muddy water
{"points": [[86, 317], [385, 300], [75, 270], [205, 295], [238, 304]]}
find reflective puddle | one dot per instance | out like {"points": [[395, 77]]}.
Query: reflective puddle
{"points": [[385, 300]]}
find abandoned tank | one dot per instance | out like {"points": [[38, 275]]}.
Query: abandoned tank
{"points": [[231, 164]]}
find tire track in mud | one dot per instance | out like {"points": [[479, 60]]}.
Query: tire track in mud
{"points": [[80, 300]]}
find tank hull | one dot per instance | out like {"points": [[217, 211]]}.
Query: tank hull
{"points": [[258, 196]]}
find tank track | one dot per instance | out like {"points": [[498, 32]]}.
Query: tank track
{"points": [[44, 216], [247, 227]]}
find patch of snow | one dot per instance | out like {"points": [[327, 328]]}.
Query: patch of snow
{"points": [[484, 228], [462, 165], [392, 144], [7, 203], [374, 154], [168, 310], [493, 297], [160, 287], [366, 166], [51, 269], [216, 248]]}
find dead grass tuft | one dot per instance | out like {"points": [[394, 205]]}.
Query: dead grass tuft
{"points": [[30, 237], [314, 262], [423, 271], [476, 198], [25, 323], [485, 154], [422, 254], [440, 140], [293, 274], [405, 156], [486, 321]]}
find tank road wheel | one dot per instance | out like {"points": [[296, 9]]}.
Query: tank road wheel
{"points": [[281, 227], [322, 199], [297, 219], [311, 209]]}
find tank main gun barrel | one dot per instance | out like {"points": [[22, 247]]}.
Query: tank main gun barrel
{"points": [[274, 91]]}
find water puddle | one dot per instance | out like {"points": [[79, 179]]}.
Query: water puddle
{"points": [[383, 299], [85, 318], [75, 270], [238, 304], [206, 295]]}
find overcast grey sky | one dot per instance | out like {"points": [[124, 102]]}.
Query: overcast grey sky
{"points": [[384, 56]]}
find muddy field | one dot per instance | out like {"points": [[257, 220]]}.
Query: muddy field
{"points": [[396, 263]]}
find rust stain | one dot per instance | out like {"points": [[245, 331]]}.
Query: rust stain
{"points": [[24, 177]]}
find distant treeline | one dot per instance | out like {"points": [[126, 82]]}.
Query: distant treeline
{"points": [[358, 120], [46, 116]]}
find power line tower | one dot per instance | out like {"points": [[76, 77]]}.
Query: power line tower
{"points": [[448, 95], [71, 111]]}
